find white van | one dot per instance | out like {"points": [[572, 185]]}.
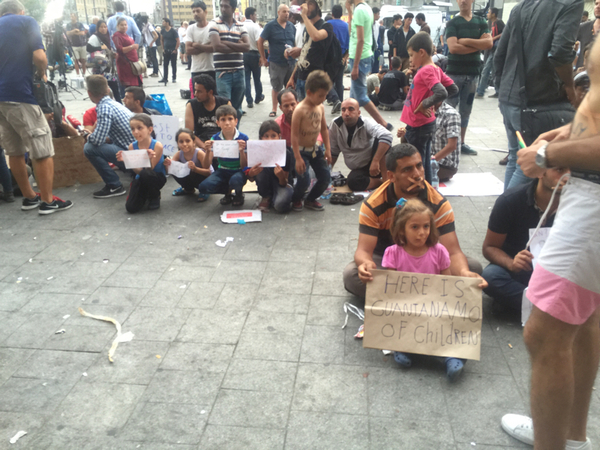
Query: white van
{"points": [[434, 16]]}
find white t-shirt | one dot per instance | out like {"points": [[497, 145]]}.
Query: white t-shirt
{"points": [[204, 61], [147, 32], [182, 33], [254, 31], [300, 34]]}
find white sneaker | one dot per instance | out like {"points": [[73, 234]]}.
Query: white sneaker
{"points": [[519, 427], [576, 445]]}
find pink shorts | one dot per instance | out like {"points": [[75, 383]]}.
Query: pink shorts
{"points": [[566, 279]]}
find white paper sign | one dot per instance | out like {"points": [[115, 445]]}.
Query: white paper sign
{"points": [[178, 169], [538, 242], [243, 216], [226, 149], [165, 128], [472, 185], [267, 153], [136, 159]]}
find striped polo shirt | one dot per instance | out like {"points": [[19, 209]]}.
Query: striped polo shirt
{"points": [[473, 29], [377, 211], [228, 61]]}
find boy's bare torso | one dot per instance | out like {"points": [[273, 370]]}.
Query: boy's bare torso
{"points": [[310, 123]]}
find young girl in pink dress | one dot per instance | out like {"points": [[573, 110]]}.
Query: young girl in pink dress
{"points": [[417, 250]]}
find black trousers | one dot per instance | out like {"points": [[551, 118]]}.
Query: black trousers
{"points": [[359, 179], [169, 57], [146, 187], [190, 182], [152, 58]]}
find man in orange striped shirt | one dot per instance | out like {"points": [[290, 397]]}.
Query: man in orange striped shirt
{"points": [[406, 178]]}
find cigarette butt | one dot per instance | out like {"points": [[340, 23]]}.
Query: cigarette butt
{"points": [[158, 356], [510, 345]]}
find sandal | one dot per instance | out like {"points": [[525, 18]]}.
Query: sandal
{"points": [[454, 368], [403, 359], [351, 199], [273, 114], [180, 191], [336, 198], [203, 197], [226, 200], [238, 200], [338, 182]]}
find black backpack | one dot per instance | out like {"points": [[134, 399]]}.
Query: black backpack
{"points": [[46, 95], [334, 62]]}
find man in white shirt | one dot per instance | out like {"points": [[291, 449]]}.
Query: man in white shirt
{"points": [[182, 33], [150, 38], [197, 42], [252, 59]]}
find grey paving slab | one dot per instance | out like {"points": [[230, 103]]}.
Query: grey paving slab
{"points": [[196, 387], [248, 272], [323, 345], [269, 322], [33, 395], [12, 359], [134, 277], [165, 293], [275, 302], [81, 338], [56, 365], [251, 409], [201, 294], [34, 331], [237, 296], [116, 296], [260, 375], [198, 356], [165, 423], [412, 433], [156, 324], [13, 422], [318, 430], [272, 346], [213, 326], [218, 437]]}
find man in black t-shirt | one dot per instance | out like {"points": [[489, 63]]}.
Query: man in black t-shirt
{"points": [[200, 112], [170, 43], [515, 212], [317, 39], [393, 88], [78, 39]]}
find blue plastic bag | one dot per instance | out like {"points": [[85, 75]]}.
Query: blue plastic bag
{"points": [[159, 102]]}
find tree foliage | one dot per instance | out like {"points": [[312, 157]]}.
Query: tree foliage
{"points": [[35, 8]]}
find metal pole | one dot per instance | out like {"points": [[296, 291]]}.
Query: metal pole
{"points": [[87, 19]]}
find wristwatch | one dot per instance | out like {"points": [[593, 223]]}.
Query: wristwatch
{"points": [[540, 158]]}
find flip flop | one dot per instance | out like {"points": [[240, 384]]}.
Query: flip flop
{"points": [[351, 199], [336, 198], [273, 114]]}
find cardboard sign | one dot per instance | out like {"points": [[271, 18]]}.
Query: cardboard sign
{"points": [[435, 315], [165, 128], [70, 164], [267, 153]]}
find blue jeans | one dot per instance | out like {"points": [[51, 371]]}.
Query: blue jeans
{"points": [[467, 85], [252, 69], [358, 87], [421, 138], [513, 176], [322, 172], [100, 156], [300, 89], [222, 181], [504, 286], [375, 63], [5, 177], [269, 187], [232, 85], [486, 73], [152, 58]]}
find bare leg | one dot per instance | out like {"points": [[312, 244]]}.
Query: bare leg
{"points": [[82, 61], [19, 171], [44, 173], [274, 97], [550, 344], [76, 64], [372, 109], [586, 354]]}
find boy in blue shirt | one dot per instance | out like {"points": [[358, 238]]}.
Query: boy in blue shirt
{"points": [[229, 175]]}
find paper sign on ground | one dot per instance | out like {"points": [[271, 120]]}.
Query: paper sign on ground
{"points": [[179, 169], [136, 159], [226, 149], [247, 215], [535, 247], [472, 185], [267, 153], [427, 314], [165, 128]]}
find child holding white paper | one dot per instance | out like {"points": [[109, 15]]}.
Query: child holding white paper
{"points": [[148, 181], [193, 158], [230, 173], [417, 250], [274, 183]]}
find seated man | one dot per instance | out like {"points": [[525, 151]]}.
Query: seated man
{"points": [[134, 100], [515, 212], [111, 135], [393, 89], [373, 83], [445, 146], [406, 179], [201, 111], [363, 143]]}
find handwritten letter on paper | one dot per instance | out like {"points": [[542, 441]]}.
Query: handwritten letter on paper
{"points": [[428, 314], [226, 149], [136, 159], [267, 153], [178, 169], [165, 128]]}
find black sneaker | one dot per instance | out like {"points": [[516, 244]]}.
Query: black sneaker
{"points": [[154, 203], [31, 203], [107, 192], [466, 150], [258, 100], [250, 105], [337, 107], [55, 206]]}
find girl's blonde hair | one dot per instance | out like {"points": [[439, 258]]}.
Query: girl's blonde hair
{"points": [[402, 215]]}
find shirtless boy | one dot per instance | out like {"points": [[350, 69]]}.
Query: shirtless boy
{"points": [[308, 121], [563, 333]]}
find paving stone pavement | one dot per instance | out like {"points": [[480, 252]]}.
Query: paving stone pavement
{"points": [[235, 348]]}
